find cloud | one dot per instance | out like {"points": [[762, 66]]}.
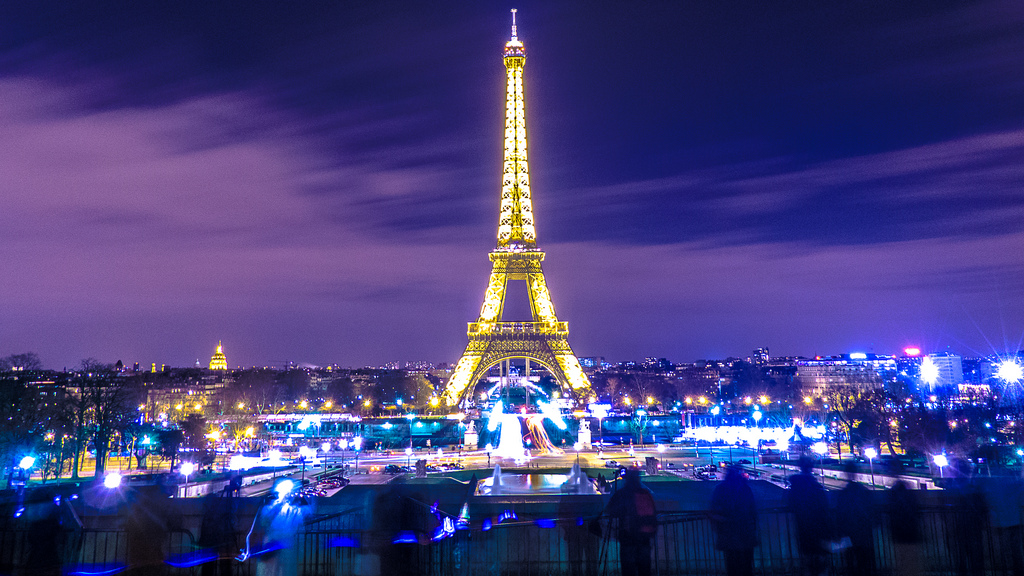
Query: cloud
{"points": [[969, 186]]}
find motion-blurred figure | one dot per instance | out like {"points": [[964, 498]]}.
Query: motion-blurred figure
{"points": [[809, 505], [146, 531], [399, 530], [967, 517], [277, 530], [856, 510], [632, 507], [1005, 496], [217, 533], [44, 534], [905, 527], [581, 532], [734, 514]]}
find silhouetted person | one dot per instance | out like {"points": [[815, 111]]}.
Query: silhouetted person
{"points": [[582, 534], [276, 534], [44, 534], [146, 531], [905, 527], [1005, 498], [399, 530], [734, 515], [967, 517], [632, 507], [217, 533], [809, 505], [856, 511]]}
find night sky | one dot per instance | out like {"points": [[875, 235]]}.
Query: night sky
{"points": [[319, 181]]}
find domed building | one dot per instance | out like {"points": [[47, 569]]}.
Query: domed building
{"points": [[219, 361]]}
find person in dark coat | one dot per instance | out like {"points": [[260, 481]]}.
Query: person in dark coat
{"points": [[809, 505], [905, 527], [44, 534], [856, 508], [632, 508], [734, 515], [217, 532]]}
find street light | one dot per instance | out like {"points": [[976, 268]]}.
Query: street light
{"points": [[821, 449], [941, 461], [326, 447], [577, 447], [408, 456], [112, 480], [870, 454], [187, 468]]}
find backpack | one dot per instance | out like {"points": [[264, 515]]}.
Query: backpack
{"points": [[646, 516]]}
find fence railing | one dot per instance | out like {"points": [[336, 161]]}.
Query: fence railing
{"points": [[683, 545]]}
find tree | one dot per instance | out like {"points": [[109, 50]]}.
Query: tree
{"points": [[108, 405], [28, 361]]}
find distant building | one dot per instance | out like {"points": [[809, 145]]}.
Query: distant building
{"points": [[219, 361], [940, 370], [861, 373], [760, 356]]}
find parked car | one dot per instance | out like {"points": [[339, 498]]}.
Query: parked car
{"points": [[611, 464], [394, 469]]}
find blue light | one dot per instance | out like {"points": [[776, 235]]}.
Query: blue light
{"points": [[507, 515], [486, 525], [405, 537], [191, 559], [344, 542], [545, 523]]}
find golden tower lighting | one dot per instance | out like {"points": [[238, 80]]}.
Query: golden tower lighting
{"points": [[543, 340], [219, 361]]}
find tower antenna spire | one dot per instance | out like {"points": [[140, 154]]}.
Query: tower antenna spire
{"points": [[514, 24]]}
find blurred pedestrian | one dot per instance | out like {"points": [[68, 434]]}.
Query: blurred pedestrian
{"points": [[734, 515], [1005, 497], [44, 533], [217, 533], [632, 507], [967, 517], [399, 530], [905, 527], [146, 531], [855, 508], [809, 506], [582, 533]]}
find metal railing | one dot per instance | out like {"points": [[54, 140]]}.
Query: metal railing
{"points": [[684, 545]]}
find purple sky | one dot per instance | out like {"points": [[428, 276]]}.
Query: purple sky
{"points": [[321, 184]]}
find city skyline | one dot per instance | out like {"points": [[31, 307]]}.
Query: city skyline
{"points": [[320, 185]]}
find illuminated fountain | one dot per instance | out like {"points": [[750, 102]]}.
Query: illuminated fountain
{"points": [[511, 440]]}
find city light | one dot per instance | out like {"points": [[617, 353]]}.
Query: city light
{"points": [[26, 462], [870, 453], [187, 468], [820, 448], [929, 371], [1010, 371], [112, 480], [912, 351]]}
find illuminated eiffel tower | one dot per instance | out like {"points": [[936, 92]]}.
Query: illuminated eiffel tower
{"points": [[543, 340]]}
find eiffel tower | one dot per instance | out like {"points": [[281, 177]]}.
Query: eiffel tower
{"points": [[544, 340]]}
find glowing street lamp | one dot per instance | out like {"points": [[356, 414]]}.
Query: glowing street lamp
{"points": [[870, 454], [757, 418], [408, 456], [27, 462], [112, 480], [821, 449], [929, 371], [326, 447], [941, 461], [1010, 371], [576, 446]]}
